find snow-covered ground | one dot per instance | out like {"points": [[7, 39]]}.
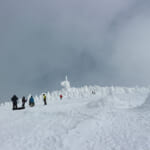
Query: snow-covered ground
{"points": [[114, 118]]}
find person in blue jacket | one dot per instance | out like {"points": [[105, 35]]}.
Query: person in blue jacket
{"points": [[31, 101]]}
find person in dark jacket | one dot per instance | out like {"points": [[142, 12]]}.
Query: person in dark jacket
{"points": [[23, 101], [14, 100], [31, 101]]}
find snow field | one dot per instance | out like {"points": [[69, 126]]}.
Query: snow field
{"points": [[115, 118]]}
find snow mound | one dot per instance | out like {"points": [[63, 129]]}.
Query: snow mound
{"points": [[146, 104], [120, 97]]}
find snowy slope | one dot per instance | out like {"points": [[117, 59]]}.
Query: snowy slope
{"points": [[114, 118]]}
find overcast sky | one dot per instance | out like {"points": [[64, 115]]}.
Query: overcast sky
{"points": [[104, 42]]}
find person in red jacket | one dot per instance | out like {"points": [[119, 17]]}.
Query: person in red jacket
{"points": [[61, 96]]}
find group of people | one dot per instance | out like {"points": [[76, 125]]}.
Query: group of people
{"points": [[14, 100]]}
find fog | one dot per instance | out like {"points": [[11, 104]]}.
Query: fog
{"points": [[93, 42]]}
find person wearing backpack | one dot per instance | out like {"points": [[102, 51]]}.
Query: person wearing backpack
{"points": [[31, 101], [14, 100], [23, 101]]}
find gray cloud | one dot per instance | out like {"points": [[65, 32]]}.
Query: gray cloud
{"points": [[94, 42], [132, 51]]}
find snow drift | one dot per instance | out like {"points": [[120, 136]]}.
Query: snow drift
{"points": [[87, 118]]}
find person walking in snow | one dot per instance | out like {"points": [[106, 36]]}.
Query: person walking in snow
{"points": [[31, 101], [23, 101], [14, 100], [60, 96], [44, 99]]}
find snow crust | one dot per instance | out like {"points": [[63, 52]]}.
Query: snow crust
{"points": [[87, 118]]}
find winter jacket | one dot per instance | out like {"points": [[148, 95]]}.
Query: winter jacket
{"points": [[14, 99], [44, 97], [31, 100], [24, 100]]}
